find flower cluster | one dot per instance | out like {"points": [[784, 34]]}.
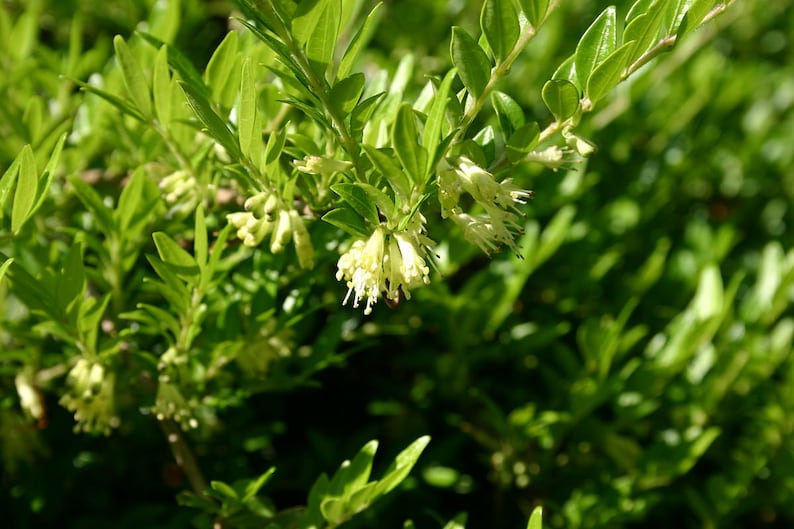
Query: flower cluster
{"points": [[499, 224], [181, 191], [266, 215], [171, 404], [91, 397], [388, 264]]}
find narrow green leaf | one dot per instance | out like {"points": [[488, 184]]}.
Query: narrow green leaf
{"points": [[322, 41], [637, 8], [247, 114], [174, 255], [566, 71], [224, 491], [474, 68], [94, 203], [596, 44], [134, 80], [359, 200], [536, 519], [305, 19], [347, 221], [180, 64], [402, 466], [561, 97], [275, 146], [405, 139], [608, 74], [221, 75], [384, 162], [161, 87], [509, 113], [382, 201], [458, 522], [352, 475], [47, 176], [89, 316], [27, 185], [70, 284], [360, 39], [8, 180], [130, 200], [432, 133], [333, 509], [522, 141], [694, 16], [345, 94], [674, 14], [644, 29], [217, 250], [4, 267], [112, 99], [535, 11], [361, 114], [216, 126], [200, 243], [253, 488], [499, 23]]}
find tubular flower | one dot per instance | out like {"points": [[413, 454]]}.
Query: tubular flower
{"points": [[91, 397], [181, 191], [499, 225], [386, 264]]}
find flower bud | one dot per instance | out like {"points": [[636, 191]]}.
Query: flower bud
{"points": [[302, 240], [281, 233]]}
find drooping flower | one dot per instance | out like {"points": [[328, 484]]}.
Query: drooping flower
{"points": [[91, 397], [362, 269], [499, 224]]}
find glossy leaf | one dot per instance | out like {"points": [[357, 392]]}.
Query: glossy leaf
{"points": [[223, 71], [499, 23], [405, 139], [345, 94], [304, 20], [130, 200], [535, 10], [474, 68], [359, 200], [347, 221], [536, 519], [509, 113], [134, 80], [360, 39], [4, 267], [644, 29], [608, 74], [161, 87], [27, 186], [596, 44], [385, 162], [322, 41], [561, 97], [694, 16], [402, 466], [431, 135], [247, 116], [173, 255], [522, 141], [215, 126]]}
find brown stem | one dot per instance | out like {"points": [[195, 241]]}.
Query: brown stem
{"points": [[183, 456]]}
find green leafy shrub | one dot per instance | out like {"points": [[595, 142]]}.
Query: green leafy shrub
{"points": [[203, 218]]}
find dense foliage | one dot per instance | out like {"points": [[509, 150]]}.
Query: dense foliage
{"points": [[190, 190]]}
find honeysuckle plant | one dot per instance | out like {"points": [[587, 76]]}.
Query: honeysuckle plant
{"points": [[292, 155]]}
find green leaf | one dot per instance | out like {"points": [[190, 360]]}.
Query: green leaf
{"points": [[638, 8], [357, 197], [694, 16], [174, 255], [181, 64], [347, 221], [561, 97], [384, 162], [401, 466], [112, 99], [134, 80], [432, 133], [522, 141], [130, 200], [535, 10], [536, 519], [474, 68], [360, 39], [4, 267], [7, 181], [509, 113], [94, 203], [25, 194], [406, 144], [608, 74], [70, 285], [161, 87], [352, 475], [47, 176], [224, 491], [305, 19], [253, 488], [246, 117], [566, 71], [458, 522], [499, 23], [345, 94], [200, 243], [596, 44], [322, 41], [361, 114], [333, 510], [223, 71], [644, 29], [216, 126]]}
